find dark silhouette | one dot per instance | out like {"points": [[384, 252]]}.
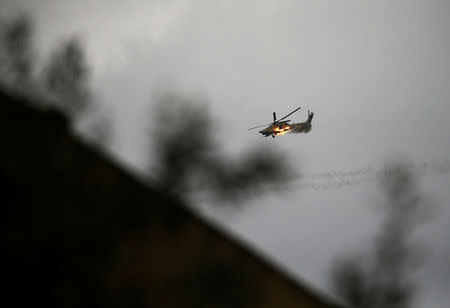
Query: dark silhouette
{"points": [[382, 277], [63, 83], [16, 53], [66, 78], [79, 231]]}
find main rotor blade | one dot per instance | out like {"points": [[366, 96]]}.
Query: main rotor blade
{"points": [[278, 122], [287, 115], [259, 126]]}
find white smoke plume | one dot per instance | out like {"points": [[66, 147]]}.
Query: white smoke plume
{"points": [[339, 179]]}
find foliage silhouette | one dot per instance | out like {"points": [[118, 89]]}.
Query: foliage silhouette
{"points": [[66, 77], [64, 82], [16, 52], [189, 161], [383, 277]]}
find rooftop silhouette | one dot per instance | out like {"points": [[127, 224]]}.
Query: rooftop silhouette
{"points": [[79, 230]]}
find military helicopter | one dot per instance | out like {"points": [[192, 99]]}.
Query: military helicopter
{"points": [[277, 127]]}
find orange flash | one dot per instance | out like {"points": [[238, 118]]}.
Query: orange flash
{"points": [[281, 131]]}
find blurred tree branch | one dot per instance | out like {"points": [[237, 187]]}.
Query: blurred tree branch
{"points": [[64, 82], [383, 278], [188, 160], [16, 52], [66, 77]]}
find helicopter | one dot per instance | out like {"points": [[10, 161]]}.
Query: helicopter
{"points": [[280, 127]]}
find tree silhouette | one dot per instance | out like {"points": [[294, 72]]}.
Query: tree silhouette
{"points": [[383, 276], [64, 81], [16, 52], [189, 161], [66, 78]]}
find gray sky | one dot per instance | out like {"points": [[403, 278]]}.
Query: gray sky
{"points": [[377, 75]]}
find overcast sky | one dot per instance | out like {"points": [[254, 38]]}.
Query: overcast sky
{"points": [[376, 73]]}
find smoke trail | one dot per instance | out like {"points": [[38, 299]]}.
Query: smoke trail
{"points": [[340, 179], [345, 179]]}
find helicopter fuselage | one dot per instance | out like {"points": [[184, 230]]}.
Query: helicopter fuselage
{"points": [[276, 129]]}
